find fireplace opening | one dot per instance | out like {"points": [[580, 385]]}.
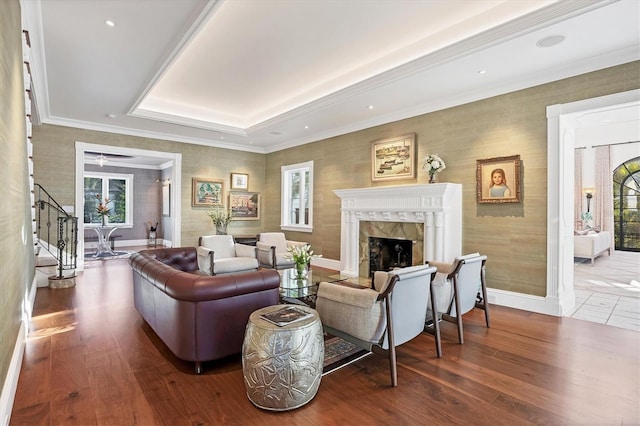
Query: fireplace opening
{"points": [[388, 253]]}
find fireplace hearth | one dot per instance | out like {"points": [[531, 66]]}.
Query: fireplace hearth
{"points": [[388, 253]]}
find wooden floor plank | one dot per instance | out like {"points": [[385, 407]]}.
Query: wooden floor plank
{"points": [[91, 359]]}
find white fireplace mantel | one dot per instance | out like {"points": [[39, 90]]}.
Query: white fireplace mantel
{"points": [[438, 206]]}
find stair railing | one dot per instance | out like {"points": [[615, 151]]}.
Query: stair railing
{"points": [[57, 232]]}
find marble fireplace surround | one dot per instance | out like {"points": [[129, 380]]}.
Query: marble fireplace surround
{"points": [[432, 211]]}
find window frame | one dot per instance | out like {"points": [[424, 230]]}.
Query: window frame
{"points": [[285, 196], [106, 176]]}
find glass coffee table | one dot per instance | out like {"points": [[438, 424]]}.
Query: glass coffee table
{"points": [[304, 291]]}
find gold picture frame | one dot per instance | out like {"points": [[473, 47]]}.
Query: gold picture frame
{"points": [[207, 193], [244, 205], [240, 181], [506, 187], [394, 158]]}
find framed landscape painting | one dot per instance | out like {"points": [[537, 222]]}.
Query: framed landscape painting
{"points": [[394, 158], [498, 180], [206, 193], [244, 205]]}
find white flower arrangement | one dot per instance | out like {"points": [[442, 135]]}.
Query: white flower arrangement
{"points": [[301, 254], [432, 164]]}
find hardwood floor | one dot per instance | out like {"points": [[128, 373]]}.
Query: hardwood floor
{"points": [[90, 359]]}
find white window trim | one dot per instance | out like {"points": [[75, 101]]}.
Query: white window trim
{"points": [[284, 197], [128, 197]]}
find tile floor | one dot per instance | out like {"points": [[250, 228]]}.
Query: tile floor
{"points": [[609, 291]]}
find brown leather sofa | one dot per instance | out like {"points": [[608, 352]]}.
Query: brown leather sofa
{"points": [[199, 317]]}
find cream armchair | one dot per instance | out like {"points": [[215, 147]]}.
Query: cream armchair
{"points": [[459, 287], [219, 254], [379, 319], [271, 250]]}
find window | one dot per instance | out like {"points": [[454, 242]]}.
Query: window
{"points": [[626, 205], [297, 197], [114, 186]]}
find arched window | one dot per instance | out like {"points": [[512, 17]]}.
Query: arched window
{"points": [[626, 205]]}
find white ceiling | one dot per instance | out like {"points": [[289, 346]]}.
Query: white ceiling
{"points": [[264, 75]]}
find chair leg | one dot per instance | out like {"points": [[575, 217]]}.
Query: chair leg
{"points": [[485, 305], [436, 323], [456, 297], [392, 347]]}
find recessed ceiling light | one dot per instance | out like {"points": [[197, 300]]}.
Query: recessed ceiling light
{"points": [[551, 40], [370, 106], [110, 23], [111, 116], [306, 127], [482, 72], [221, 137], [275, 133]]}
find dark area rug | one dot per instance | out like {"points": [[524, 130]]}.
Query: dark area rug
{"points": [[339, 353]]}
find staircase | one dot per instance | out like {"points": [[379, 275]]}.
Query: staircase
{"points": [[57, 233]]}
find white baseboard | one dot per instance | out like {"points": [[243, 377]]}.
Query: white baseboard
{"points": [[326, 263], [13, 373], [525, 302], [130, 243]]}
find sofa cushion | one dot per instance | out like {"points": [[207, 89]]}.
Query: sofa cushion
{"points": [[234, 264]]}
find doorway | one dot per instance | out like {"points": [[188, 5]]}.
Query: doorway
{"points": [[171, 162], [563, 122]]}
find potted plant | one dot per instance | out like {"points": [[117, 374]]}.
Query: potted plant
{"points": [[220, 218]]}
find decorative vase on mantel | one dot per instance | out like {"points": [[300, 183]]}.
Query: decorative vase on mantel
{"points": [[433, 177], [104, 220], [302, 270], [221, 229]]}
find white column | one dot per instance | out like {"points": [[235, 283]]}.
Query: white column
{"points": [[438, 224], [429, 237]]}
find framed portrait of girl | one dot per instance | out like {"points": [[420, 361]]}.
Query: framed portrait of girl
{"points": [[498, 180]]}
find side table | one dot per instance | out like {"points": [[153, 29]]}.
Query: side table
{"points": [[282, 366], [104, 234]]}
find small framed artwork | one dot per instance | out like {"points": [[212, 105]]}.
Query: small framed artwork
{"points": [[240, 181], [166, 200], [394, 158], [498, 180], [206, 193], [244, 205]]}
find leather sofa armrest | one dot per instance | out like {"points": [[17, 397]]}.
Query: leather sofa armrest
{"points": [[195, 288]]}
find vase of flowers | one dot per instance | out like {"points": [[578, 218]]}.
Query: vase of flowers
{"points": [[433, 165], [301, 256], [102, 209], [220, 219]]}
